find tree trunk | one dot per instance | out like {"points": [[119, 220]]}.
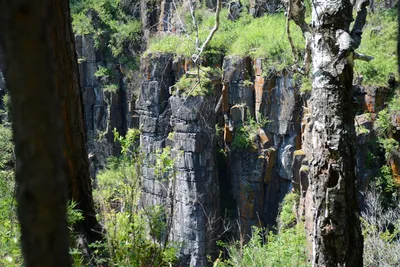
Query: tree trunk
{"points": [[28, 37], [337, 238], [74, 145], [43, 74]]}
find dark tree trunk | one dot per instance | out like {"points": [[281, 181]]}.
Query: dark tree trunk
{"points": [[337, 238], [42, 75], [28, 37], [74, 145]]}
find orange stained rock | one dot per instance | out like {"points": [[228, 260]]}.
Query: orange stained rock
{"points": [[270, 162], [395, 165], [225, 98], [227, 134], [247, 201], [263, 137], [370, 103], [258, 67], [258, 88]]}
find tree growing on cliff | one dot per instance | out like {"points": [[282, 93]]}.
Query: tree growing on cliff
{"points": [[330, 138], [42, 75]]}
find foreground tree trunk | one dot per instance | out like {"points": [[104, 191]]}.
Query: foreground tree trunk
{"points": [[337, 238], [74, 145], [330, 139], [28, 39], [42, 76]]}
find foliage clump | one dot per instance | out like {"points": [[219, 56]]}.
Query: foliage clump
{"points": [[111, 27], [285, 248], [200, 82], [263, 37], [136, 236], [247, 134]]}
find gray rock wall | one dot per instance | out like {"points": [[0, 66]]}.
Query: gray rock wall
{"points": [[103, 110]]}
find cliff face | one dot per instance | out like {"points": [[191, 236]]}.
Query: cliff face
{"points": [[218, 176], [186, 125], [104, 109], [261, 173], [252, 179]]}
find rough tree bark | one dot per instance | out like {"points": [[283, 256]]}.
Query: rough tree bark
{"points": [[74, 145], [337, 238], [42, 75], [27, 37]]}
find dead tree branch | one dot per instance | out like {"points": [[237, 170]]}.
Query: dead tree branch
{"points": [[362, 57], [200, 50], [294, 50]]}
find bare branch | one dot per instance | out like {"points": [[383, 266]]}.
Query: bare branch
{"points": [[191, 8], [210, 35], [294, 51], [362, 57], [359, 23], [297, 13], [181, 22]]}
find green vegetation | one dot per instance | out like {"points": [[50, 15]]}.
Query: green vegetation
{"points": [[135, 236], [263, 37], [198, 83], [10, 254], [385, 128], [384, 182], [106, 21], [286, 248], [379, 40], [246, 135]]}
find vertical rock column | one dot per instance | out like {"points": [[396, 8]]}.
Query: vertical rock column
{"points": [[103, 110], [196, 194], [154, 112]]}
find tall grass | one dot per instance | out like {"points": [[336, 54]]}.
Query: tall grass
{"points": [[263, 37]]}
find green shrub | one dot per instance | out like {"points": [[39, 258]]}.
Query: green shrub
{"points": [[10, 251], [246, 135], [286, 248], [135, 236], [198, 83], [384, 127], [112, 26]]}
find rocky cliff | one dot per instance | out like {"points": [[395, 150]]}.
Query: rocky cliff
{"points": [[238, 147], [261, 131]]}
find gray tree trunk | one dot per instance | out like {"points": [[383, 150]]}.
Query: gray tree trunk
{"points": [[337, 238]]}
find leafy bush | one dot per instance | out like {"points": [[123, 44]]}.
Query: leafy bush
{"points": [[135, 236], [246, 135], [10, 252], [198, 83], [112, 24], [286, 248]]}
